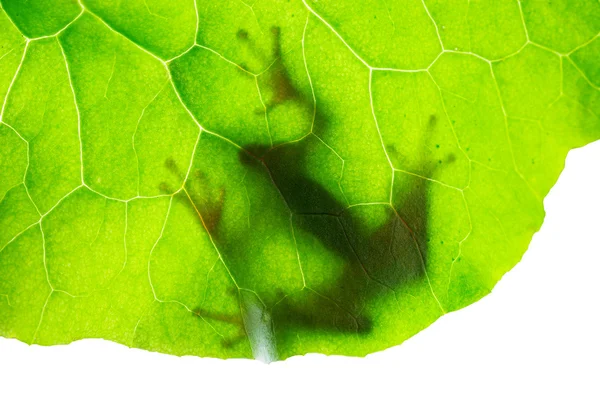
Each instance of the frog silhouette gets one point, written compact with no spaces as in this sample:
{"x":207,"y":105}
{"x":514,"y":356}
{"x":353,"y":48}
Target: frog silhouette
{"x":373,"y":258}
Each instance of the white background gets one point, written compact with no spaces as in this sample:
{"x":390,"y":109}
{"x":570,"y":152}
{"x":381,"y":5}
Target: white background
{"x":537,"y":336}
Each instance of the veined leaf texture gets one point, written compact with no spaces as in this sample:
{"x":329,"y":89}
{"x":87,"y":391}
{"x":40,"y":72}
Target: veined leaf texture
{"x":232,"y":179}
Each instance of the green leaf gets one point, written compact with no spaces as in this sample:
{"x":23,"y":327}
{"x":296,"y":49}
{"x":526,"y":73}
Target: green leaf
{"x":262,"y":180}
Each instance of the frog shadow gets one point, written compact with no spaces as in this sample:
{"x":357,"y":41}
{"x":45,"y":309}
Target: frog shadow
{"x":373,"y":259}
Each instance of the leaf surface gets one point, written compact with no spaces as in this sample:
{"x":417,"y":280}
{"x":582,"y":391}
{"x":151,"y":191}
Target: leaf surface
{"x":263,"y":180}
